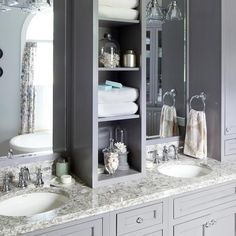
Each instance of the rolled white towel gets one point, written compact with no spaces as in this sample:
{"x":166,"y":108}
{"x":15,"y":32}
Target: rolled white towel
{"x":130,"y":4}
{"x":118,"y":13}
{"x":117,"y":109}
{"x":124,"y":94}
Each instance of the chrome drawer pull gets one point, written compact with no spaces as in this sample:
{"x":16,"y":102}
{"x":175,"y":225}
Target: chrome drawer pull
{"x":139,"y":220}
{"x":213,"y":222}
{"x":207,"y":225}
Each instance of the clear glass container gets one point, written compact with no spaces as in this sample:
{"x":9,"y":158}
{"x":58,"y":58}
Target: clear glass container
{"x":109,"y":52}
{"x":111,"y":158}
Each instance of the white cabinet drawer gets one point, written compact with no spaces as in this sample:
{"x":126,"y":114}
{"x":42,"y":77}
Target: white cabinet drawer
{"x":138,"y":219}
{"x":230,"y":147}
{"x":203,"y":200}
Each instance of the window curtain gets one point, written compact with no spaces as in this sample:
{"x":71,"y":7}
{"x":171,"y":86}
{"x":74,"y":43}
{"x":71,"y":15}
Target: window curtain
{"x":28,"y":89}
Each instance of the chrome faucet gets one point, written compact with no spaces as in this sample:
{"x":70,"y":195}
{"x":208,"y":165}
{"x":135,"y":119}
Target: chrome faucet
{"x":6,"y":183}
{"x":22,"y":178}
{"x":165,"y":154}
{"x":39,"y":178}
{"x":26,"y":173}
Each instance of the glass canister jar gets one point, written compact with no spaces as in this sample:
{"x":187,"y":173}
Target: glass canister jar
{"x":109,"y":52}
{"x":111,"y":158}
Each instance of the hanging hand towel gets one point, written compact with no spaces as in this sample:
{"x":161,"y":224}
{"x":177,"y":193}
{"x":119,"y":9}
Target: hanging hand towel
{"x":124,"y":94}
{"x":120,"y":3}
{"x":168,"y":122}
{"x":117,"y":109}
{"x":196,"y":135}
{"x":118,"y":13}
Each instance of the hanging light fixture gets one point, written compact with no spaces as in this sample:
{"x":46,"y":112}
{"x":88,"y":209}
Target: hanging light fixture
{"x":154,"y":11}
{"x":25,"y":5}
{"x":157,"y":13}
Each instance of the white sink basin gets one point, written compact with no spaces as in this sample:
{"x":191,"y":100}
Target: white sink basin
{"x":184,"y":171}
{"x":32,"y":204}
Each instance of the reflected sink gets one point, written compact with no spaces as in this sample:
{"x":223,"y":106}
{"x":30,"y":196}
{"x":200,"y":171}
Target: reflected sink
{"x":32,"y":204}
{"x":184,"y":171}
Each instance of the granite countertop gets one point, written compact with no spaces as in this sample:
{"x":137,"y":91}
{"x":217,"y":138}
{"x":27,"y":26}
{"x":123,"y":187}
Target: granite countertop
{"x":85,"y":202}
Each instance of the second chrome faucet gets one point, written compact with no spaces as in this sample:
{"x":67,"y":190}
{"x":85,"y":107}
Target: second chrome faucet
{"x":171,"y":152}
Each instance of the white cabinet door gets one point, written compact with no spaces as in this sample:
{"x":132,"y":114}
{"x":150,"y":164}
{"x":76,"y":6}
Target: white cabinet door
{"x":222,"y":224}
{"x":194,"y":227}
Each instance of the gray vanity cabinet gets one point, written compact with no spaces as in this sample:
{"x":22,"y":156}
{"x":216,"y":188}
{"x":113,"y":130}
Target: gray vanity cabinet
{"x":206,"y":212}
{"x":194,"y":227}
{"x":218,"y":224}
{"x":212,"y":57}
{"x":93,"y":226}
{"x":209,"y":212}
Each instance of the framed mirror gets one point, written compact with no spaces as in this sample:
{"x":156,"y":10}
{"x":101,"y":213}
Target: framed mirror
{"x":166,"y":49}
{"x":26,"y":87}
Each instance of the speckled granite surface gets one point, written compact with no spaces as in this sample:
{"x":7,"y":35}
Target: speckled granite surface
{"x":85,"y":202}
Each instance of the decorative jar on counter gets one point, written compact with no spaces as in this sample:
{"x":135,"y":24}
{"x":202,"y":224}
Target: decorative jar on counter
{"x":109,"y":52}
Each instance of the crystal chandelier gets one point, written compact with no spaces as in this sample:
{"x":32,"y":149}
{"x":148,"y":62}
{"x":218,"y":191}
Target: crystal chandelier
{"x":26,"y":5}
{"x":156,"y":13}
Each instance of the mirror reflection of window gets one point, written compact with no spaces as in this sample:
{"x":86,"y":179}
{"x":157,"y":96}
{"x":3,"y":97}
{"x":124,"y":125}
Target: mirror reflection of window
{"x":43,"y":68}
{"x":36,"y":85}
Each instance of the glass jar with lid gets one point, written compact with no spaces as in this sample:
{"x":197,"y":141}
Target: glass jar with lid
{"x":109,"y":52}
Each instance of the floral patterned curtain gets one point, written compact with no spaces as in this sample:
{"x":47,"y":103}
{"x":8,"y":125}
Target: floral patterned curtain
{"x":28,"y":89}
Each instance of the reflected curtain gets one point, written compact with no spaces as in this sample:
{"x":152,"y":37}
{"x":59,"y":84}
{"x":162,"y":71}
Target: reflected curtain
{"x":28,"y":89}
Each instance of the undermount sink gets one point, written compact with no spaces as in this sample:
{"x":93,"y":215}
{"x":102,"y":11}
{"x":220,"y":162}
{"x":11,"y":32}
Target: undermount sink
{"x":32,"y":204}
{"x":184,"y":171}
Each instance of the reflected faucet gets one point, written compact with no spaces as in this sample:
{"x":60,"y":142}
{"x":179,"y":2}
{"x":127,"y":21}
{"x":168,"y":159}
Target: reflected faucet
{"x":10,"y":154}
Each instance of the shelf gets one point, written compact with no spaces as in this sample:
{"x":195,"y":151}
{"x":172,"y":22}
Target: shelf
{"x":111,"y":22}
{"x":118,"y":174}
{"x":115,"y":118}
{"x":118,"y":69}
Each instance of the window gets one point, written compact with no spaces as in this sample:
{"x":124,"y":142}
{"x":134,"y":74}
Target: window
{"x":40,"y":30}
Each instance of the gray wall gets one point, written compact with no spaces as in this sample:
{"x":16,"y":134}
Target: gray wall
{"x":11,"y":24}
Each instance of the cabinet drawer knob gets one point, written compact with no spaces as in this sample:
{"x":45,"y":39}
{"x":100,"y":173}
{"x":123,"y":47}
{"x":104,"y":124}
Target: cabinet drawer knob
{"x":207,"y":225}
{"x":213,"y":222}
{"x":139,"y":220}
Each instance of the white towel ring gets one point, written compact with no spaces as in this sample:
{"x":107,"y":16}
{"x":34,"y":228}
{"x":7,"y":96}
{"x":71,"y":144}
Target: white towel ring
{"x":202,"y":96}
{"x":171,"y":93}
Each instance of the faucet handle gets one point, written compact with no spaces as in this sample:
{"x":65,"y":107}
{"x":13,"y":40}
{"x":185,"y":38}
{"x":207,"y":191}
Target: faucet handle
{"x":165,"y":149}
{"x":6,"y":183}
{"x":22,"y":182}
{"x":39,"y":178}
{"x":26,"y":173}
{"x":178,"y":149}
{"x":155,"y":156}
{"x":165,"y":152}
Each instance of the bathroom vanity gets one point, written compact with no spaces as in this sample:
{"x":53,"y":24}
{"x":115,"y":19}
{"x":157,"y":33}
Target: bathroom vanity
{"x":157,"y":205}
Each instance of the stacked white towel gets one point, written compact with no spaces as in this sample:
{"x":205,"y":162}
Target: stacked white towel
{"x":118,"y":9}
{"x":117,"y":102}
